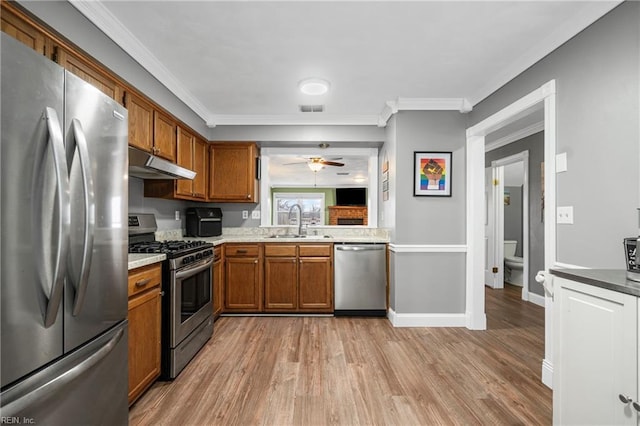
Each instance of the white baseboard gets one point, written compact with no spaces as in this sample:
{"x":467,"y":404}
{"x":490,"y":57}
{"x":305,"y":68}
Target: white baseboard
{"x":426,"y":320}
{"x":536,"y":299}
{"x":547,"y":373}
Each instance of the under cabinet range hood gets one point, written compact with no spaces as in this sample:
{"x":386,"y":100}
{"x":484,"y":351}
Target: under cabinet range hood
{"x":146,"y":166}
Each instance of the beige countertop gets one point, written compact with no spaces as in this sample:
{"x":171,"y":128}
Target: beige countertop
{"x":137,"y":260}
{"x":253,"y":235}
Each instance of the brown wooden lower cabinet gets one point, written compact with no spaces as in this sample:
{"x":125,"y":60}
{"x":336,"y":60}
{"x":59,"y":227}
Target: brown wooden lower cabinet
{"x":144,"y":328}
{"x":298,"y":278}
{"x":243,"y":274}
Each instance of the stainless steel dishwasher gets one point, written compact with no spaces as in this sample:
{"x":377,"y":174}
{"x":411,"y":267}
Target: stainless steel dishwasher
{"x":360,"y":279}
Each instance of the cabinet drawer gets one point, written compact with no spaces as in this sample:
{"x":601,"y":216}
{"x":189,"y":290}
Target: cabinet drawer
{"x":323,"y":250}
{"x":280,"y":250}
{"x":242,"y":250}
{"x":141,"y":279}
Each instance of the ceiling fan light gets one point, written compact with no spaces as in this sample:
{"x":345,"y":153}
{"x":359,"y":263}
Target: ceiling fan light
{"x":314,"y":86}
{"x":315,"y":166}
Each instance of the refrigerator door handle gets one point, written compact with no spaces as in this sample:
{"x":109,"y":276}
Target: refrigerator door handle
{"x":89,"y":215}
{"x":30,"y":397}
{"x":54,"y":285}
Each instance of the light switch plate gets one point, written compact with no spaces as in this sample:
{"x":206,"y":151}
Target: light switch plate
{"x":245,"y":214}
{"x":565,"y":215}
{"x":561,"y":162}
{"x":255,"y":214}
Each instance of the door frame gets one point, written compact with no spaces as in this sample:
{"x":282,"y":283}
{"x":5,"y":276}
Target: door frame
{"x":498,"y":165}
{"x":544,"y":96}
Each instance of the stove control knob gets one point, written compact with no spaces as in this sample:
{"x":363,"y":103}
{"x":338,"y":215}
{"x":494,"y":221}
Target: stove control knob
{"x":198,"y":256}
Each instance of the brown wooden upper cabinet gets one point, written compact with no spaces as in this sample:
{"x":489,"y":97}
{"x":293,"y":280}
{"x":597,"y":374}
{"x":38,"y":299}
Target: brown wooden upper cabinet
{"x":200,"y":166}
{"x":164,"y":136}
{"x":233,"y":174}
{"x":19,"y":28}
{"x":184,"y":151}
{"x":87,"y":71}
{"x":140,"y":121}
{"x":192,"y":154}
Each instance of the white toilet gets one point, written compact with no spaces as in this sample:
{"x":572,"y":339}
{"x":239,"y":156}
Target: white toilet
{"x":513,"y":265}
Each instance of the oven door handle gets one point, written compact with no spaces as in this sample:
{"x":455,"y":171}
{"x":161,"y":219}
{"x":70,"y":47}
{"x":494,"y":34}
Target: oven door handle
{"x":192,"y":270}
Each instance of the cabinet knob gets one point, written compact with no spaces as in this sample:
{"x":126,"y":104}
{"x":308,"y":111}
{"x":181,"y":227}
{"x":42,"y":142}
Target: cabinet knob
{"x":248,"y":196}
{"x":255,"y":261}
{"x":625,"y":399}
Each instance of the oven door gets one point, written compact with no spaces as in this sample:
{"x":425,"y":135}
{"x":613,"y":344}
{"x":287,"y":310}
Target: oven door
{"x":191,"y":299}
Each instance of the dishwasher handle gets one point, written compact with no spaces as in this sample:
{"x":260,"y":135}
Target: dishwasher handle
{"x":366,"y":247}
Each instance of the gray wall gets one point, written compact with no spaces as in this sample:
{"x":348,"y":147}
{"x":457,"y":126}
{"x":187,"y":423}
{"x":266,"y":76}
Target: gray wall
{"x":513,"y":217}
{"x":430,"y":220}
{"x":425,"y":282}
{"x":66,"y":20}
{"x":164,"y":210}
{"x":535,"y":145}
{"x":598,"y":126}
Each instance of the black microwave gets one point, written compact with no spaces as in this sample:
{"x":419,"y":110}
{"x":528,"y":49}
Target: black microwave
{"x":204,"y":221}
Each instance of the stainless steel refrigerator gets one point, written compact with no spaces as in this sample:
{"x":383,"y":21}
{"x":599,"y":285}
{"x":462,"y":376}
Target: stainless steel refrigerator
{"x":63,"y":238}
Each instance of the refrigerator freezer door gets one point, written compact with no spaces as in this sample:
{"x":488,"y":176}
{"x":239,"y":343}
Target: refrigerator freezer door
{"x":87,"y":387}
{"x":96,"y":144}
{"x":32,"y":220}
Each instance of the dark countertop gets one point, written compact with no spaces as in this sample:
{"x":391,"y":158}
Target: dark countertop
{"x":611,"y":279}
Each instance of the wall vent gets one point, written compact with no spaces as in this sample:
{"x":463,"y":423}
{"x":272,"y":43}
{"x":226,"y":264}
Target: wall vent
{"x":311,"y":108}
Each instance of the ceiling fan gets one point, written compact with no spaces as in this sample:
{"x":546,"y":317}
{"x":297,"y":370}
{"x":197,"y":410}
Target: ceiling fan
{"x":317,"y":163}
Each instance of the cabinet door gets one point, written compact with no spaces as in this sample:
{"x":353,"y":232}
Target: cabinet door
{"x":243,"y":292}
{"x":596,"y":357}
{"x":184,"y":151}
{"x":144,"y":341}
{"x":218,"y":283}
{"x":200,"y":154}
{"x":140,"y":121}
{"x":280,"y":283}
{"x":22,"y":31}
{"x":87,"y":71}
{"x":164,"y":136}
{"x":233,"y":172}
{"x":315,"y":289}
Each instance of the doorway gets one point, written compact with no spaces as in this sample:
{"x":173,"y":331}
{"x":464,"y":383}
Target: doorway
{"x":544,"y":97}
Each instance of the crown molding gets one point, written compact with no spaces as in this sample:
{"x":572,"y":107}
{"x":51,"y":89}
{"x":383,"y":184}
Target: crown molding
{"x":302,"y":119}
{"x":422,"y":104}
{"x":102,"y":18}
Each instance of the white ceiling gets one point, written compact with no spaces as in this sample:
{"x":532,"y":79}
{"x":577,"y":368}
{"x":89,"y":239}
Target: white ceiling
{"x":239,"y":62}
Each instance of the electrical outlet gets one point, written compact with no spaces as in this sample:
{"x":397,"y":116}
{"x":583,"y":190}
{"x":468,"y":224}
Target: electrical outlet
{"x":177,"y":214}
{"x":565,"y":215}
{"x":245,"y":214}
{"x":255,"y":214}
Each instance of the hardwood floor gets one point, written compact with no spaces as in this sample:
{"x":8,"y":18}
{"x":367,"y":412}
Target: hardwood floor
{"x":361,"y":371}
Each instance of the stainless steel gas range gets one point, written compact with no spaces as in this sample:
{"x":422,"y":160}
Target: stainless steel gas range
{"x":187,"y":306}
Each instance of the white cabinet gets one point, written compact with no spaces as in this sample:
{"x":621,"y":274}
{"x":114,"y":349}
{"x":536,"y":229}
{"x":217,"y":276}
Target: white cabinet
{"x":596,"y":355}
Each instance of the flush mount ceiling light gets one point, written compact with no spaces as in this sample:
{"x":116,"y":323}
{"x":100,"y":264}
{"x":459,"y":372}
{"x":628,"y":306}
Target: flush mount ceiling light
{"x":314,"y":86}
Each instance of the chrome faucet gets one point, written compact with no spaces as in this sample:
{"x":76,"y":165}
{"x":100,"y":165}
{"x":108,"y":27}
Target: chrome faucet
{"x":299,"y":217}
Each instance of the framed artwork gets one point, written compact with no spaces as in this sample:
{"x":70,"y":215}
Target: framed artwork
{"x":431,"y":174}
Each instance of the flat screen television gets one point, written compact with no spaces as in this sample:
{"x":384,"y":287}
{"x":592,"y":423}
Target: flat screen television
{"x":351,"y":196}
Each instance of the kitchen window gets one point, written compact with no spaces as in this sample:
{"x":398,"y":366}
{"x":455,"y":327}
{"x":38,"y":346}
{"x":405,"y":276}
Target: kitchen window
{"x":312,"y":204}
